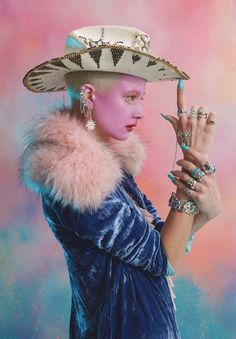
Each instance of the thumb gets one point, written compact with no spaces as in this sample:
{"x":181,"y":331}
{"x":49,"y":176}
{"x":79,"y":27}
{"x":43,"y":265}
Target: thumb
{"x":173,"y":120}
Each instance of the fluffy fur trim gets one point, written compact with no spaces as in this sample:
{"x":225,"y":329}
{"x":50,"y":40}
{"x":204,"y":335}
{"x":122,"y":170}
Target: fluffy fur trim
{"x":63,"y":159}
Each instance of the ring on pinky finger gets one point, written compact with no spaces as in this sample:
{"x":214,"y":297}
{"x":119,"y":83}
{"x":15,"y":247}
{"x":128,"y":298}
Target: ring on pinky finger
{"x":189,"y":192}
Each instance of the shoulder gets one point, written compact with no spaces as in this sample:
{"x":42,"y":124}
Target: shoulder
{"x":69,"y":164}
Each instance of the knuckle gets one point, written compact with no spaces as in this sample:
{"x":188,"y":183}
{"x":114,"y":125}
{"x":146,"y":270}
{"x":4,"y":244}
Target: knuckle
{"x":209,"y":180}
{"x":202,"y":108}
{"x":202,"y":189}
{"x":203,"y":158}
{"x":199,"y":196}
{"x":185,"y":177}
{"x":194,"y":107}
{"x":212,"y":115}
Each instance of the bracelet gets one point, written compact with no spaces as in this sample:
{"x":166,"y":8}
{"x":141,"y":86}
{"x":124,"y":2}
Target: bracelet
{"x":185,"y":206}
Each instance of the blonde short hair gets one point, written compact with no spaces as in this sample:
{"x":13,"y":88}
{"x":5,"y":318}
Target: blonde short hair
{"x":102,"y":81}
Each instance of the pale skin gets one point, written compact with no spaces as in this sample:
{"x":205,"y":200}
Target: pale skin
{"x":178,"y":225}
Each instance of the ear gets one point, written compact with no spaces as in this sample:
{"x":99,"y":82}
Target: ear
{"x":89,"y":93}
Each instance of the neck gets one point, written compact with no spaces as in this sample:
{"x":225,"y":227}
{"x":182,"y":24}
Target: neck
{"x":99,"y":135}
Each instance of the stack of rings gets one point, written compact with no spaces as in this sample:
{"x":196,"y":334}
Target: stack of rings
{"x":193,"y":113}
{"x":182,"y":112}
{"x":185,"y":137}
{"x":208,"y":169}
{"x":199,"y":175}
{"x":191,"y":183}
{"x":202,"y":113}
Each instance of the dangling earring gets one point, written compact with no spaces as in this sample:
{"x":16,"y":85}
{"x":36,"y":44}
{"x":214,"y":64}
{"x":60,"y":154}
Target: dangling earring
{"x":84,"y":109}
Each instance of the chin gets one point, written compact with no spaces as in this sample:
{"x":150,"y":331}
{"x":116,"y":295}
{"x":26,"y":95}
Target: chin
{"x":121,"y":137}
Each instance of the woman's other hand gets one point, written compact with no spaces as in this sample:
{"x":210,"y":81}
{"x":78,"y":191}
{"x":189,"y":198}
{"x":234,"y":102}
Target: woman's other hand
{"x":205,"y":194}
{"x":198,"y":123}
{"x":196,"y":145}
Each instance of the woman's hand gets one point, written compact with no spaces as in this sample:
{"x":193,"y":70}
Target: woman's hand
{"x":206,"y":194}
{"x":200,"y":127}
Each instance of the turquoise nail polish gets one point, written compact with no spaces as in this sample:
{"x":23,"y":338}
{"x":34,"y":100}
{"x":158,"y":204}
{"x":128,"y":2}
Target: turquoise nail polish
{"x":185,"y":147}
{"x":172,"y":178}
{"x":165,"y":117}
{"x":180,"y":84}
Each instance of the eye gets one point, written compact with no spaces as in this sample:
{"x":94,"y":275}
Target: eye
{"x":130,"y":99}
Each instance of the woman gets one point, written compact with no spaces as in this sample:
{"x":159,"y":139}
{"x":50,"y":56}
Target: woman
{"x":82,"y":161}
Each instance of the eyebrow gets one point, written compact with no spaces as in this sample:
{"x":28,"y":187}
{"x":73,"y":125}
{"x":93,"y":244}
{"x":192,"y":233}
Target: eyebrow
{"x":135,"y":91}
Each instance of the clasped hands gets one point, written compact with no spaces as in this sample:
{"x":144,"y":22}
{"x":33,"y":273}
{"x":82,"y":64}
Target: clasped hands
{"x":195,"y":131}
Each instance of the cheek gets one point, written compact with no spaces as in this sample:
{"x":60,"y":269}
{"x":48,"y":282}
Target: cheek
{"x":111,"y":113}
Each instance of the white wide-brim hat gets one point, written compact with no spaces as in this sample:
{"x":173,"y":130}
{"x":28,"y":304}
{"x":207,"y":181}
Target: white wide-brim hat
{"x":106,"y":48}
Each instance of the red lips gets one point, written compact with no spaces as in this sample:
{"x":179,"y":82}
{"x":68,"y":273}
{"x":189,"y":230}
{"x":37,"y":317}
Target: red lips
{"x":132,"y":125}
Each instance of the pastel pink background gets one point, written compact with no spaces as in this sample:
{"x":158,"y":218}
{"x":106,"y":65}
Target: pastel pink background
{"x":199,"y":37}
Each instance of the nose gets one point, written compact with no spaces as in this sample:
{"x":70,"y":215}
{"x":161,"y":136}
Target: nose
{"x":138,"y":113}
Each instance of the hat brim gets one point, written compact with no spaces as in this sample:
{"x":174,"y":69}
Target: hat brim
{"x":49,"y":76}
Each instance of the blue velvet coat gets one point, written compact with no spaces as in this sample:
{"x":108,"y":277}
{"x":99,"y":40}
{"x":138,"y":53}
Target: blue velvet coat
{"x":117,"y":266}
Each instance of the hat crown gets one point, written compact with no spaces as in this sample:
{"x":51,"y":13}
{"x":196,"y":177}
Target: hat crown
{"x":95,"y":36}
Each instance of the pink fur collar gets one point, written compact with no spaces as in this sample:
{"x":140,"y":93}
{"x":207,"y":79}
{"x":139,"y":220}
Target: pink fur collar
{"x":62,"y":158}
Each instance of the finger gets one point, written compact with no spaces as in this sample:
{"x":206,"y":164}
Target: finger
{"x":181,"y":104}
{"x":183,"y":188}
{"x":210,"y":123}
{"x":176,"y":123}
{"x":201,"y":120}
{"x":180,"y":95}
{"x":187,"y":165}
{"x":193,"y":112}
{"x":173,"y":120}
{"x":192,"y":123}
{"x":194,"y":156}
{"x":185,"y":177}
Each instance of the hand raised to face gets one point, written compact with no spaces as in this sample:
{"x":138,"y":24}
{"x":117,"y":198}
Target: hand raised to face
{"x":195,"y":130}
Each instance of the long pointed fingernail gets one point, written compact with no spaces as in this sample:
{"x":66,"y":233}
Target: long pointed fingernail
{"x":165,"y":117}
{"x":180,"y":84}
{"x":185,"y":147}
{"x":171,"y":177}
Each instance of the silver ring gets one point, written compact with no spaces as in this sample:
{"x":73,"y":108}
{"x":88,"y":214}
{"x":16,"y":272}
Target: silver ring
{"x":198,"y":174}
{"x":208,"y":169}
{"x":182,"y":112}
{"x":185,"y":137}
{"x":191,"y":183}
{"x":193,"y":112}
{"x":202,"y":112}
{"x":189,"y":192}
{"x":202,"y":115}
{"x":210,"y":122}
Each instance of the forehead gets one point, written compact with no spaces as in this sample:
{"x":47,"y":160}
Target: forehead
{"x":130,"y":83}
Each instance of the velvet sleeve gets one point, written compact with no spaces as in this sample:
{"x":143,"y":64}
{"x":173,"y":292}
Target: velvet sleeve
{"x":118,"y":229}
{"x":156,"y":217}
{"x":159,"y":223}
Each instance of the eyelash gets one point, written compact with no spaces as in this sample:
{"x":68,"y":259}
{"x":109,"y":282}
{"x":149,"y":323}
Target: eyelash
{"x":132,"y":97}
